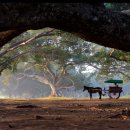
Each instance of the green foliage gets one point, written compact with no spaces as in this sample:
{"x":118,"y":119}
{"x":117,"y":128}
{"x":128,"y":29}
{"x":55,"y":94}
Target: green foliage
{"x":6,"y":76}
{"x":66,"y":50}
{"x":117,"y":6}
{"x":108,"y":5}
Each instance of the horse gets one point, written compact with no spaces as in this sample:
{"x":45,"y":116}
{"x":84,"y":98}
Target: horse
{"x":93,"y":90}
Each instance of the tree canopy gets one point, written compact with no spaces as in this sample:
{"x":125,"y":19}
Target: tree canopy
{"x":56,"y":56}
{"x":93,"y":22}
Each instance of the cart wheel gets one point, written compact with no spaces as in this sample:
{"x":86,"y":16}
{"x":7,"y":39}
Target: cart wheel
{"x":114,"y":95}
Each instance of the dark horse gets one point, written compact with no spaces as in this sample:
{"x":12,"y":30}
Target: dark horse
{"x":93,"y":90}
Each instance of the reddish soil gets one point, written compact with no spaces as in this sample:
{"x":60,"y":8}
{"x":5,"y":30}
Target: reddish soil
{"x":65,"y":114}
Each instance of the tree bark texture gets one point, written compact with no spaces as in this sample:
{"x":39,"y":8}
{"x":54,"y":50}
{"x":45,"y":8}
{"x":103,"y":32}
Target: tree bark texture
{"x":91,"y":22}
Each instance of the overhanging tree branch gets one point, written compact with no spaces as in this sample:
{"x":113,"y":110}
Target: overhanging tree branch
{"x":94,"y":23}
{"x":26,"y":41}
{"x":6,"y":36}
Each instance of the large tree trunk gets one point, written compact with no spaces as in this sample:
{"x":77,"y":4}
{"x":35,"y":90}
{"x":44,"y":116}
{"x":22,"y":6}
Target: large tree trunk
{"x":53,"y":91}
{"x":91,"y":22}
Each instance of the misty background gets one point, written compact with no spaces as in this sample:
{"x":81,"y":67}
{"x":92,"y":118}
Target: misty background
{"x":29,"y":88}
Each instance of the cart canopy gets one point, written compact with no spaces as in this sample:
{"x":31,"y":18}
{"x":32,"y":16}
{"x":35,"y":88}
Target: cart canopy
{"x":114,"y":81}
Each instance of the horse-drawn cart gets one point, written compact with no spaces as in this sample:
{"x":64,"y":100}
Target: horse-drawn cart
{"x":114,"y":91}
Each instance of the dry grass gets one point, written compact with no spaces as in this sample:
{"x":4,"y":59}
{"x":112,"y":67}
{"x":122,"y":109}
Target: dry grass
{"x":65,"y":98}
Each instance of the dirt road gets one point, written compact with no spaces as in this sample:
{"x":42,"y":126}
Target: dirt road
{"x":40,"y":114}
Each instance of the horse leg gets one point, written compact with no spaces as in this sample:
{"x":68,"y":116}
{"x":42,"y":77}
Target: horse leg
{"x":90,"y":95}
{"x":100,"y":95}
